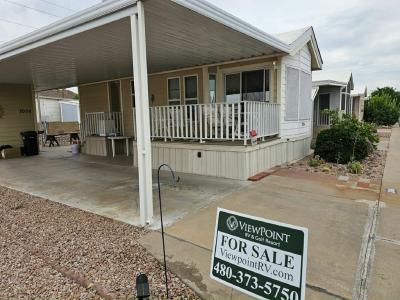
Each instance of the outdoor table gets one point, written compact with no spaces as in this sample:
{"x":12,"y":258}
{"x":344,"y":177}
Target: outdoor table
{"x":113,"y":138}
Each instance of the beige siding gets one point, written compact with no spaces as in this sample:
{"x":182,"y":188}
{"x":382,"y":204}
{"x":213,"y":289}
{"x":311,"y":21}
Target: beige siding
{"x":235,"y":162}
{"x":158,"y":86}
{"x":93,"y":98}
{"x":17,"y":104}
{"x":127,"y":112}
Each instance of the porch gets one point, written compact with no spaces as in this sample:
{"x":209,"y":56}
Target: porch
{"x":224,"y":122}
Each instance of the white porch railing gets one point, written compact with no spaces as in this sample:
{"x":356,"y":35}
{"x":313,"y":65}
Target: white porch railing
{"x":102,"y":124}
{"x":220,"y":121}
{"x":321,"y":119}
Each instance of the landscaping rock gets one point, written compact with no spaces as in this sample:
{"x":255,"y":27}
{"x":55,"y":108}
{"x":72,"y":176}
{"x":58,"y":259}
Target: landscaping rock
{"x":49,"y":250}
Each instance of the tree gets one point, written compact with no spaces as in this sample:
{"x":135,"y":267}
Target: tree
{"x":389,"y":91}
{"x":382,"y":109}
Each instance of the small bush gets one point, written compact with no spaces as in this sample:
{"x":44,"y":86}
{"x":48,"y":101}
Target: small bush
{"x":381,"y":109}
{"x":355,"y":167}
{"x":315,"y":161}
{"x":348,"y":139}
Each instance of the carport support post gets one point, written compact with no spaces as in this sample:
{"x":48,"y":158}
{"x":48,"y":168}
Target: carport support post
{"x":138,"y":34}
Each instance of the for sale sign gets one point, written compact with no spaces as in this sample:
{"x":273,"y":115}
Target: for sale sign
{"x":262,"y":258}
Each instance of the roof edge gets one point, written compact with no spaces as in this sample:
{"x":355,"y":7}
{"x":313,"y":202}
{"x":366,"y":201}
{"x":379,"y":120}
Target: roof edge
{"x":308,"y":37}
{"x":87,"y":15}
{"x":215,"y":13}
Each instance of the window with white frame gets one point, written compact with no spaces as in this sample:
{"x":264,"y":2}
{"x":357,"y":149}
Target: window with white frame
{"x":212,"y":87}
{"x":174,"y":91}
{"x":251,"y":85}
{"x":191,"y":90}
{"x":298,"y":95}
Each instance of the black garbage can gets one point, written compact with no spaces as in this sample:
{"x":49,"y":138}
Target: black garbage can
{"x":30,"y":141}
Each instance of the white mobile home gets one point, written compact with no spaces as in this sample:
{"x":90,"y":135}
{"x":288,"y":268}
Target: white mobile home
{"x":183,"y":81}
{"x":57,"y":106}
{"x":333,"y":92}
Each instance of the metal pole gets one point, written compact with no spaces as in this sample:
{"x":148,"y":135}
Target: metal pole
{"x":175,"y":180}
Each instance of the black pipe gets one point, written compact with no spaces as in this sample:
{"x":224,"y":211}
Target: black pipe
{"x":175,"y":180}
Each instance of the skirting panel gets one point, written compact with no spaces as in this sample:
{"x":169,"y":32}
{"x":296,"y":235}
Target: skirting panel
{"x":235,"y":162}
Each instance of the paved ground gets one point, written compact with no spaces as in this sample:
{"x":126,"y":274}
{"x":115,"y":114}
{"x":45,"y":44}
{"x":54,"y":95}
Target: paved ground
{"x":350,"y":257}
{"x":385,"y":262}
{"x":336,"y":219}
{"x":106,"y":186}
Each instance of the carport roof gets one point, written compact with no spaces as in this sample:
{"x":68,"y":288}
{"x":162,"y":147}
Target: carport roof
{"x":95,"y":44}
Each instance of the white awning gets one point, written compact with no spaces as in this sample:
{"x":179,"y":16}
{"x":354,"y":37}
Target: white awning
{"x":95,"y":45}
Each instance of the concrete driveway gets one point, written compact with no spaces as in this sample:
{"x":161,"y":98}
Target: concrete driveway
{"x":106,"y":186}
{"x":337,"y":218}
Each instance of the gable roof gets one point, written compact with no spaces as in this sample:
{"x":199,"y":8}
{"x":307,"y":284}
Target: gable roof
{"x":296,"y":39}
{"x":360,"y":91}
{"x":340,"y":78}
{"x":289,"y":37}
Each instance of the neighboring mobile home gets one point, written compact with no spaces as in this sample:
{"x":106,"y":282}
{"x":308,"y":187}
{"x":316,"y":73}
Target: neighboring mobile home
{"x":359,"y":97}
{"x":57,"y":106}
{"x":194,"y":86}
{"x":333,"y":92}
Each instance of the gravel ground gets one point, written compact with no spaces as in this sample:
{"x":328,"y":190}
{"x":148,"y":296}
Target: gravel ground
{"x":373,"y":167}
{"x":48,"y":250}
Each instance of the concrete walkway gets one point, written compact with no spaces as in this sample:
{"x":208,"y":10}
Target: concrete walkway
{"x":338,"y":220}
{"x":385,"y":263}
{"x":108,"y":187}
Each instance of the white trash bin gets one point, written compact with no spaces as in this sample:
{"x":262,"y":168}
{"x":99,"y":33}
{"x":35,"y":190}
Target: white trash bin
{"x":75,"y":149}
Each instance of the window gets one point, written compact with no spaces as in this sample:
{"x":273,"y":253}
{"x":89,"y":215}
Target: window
{"x":212,"y":87}
{"x":232,"y":88}
{"x":174,"y":91}
{"x":292,"y":94}
{"x":305,"y":105}
{"x":248,"y":86}
{"x":253,"y":85}
{"x":343,"y":102}
{"x":114,"y":96}
{"x":324,"y":102}
{"x":133,"y":93}
{"x":191,"y":93}
{"x":298,"y":95}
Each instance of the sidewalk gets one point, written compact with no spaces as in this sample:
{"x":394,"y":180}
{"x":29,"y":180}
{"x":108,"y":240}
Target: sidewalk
{"x":336,"y":219}
{"x":386,"y":265}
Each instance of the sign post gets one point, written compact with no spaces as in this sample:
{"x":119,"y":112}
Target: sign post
{"x":262,"y":258}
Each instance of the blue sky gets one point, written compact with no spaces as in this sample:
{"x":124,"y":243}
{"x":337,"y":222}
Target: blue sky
{"x":361,"y":36}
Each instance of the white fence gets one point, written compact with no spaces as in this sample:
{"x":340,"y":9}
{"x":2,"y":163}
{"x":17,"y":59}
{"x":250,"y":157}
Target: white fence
{"x":219,"y":121}
{"x":321,"y":118}
{"x":102,"y":124}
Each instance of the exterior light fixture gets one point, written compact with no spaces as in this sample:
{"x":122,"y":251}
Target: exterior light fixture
{"x":142,"y":287}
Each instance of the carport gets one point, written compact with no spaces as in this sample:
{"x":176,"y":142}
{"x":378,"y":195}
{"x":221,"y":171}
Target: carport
{"x":118,"y":38}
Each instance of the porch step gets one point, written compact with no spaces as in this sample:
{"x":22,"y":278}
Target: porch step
{"x":263,"y":174}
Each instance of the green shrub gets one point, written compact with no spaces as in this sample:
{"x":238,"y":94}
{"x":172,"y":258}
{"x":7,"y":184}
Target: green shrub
{"x":348,"y":139}
{"x":355,"y":167}
{"x":390,"y":91}
{"x":381,"y":109}
{"x":315,"y":161}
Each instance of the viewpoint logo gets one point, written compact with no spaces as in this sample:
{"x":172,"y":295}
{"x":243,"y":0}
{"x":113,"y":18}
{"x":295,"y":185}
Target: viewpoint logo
{"x":232,"y":223}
